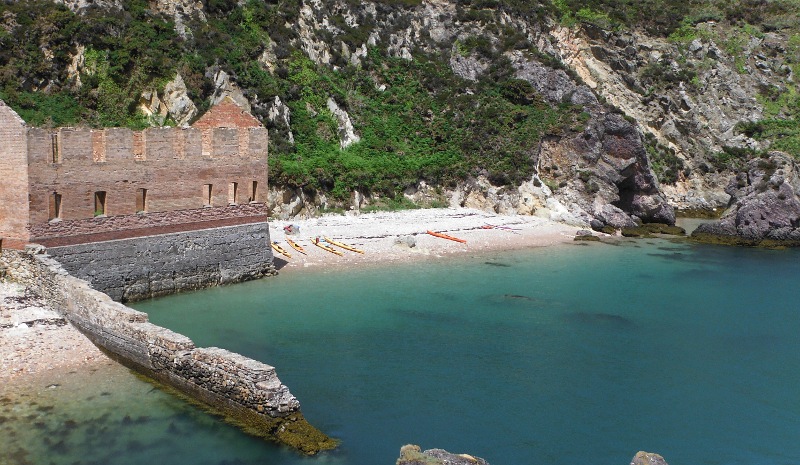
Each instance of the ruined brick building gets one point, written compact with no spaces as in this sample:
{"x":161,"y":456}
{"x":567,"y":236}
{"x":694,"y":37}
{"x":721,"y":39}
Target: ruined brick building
{"x":140,"y":213}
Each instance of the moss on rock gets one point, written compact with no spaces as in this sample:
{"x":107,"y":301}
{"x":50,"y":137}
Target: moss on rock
{"x":636,"y":231}
{"x":292,"y":430}
{"x":648,"y":230}
{"x":722,"y":239}
{"x":702,"y":213}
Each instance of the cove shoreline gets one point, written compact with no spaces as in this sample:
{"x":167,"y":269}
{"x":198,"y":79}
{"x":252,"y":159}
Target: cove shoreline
{"x":391,"y":237}
{"x":37,"y":344}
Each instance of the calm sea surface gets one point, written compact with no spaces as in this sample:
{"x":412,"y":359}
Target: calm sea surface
{"x":562,"y":355}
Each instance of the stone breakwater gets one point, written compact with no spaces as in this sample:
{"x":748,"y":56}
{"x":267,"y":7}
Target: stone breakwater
{"x":247,"y":392}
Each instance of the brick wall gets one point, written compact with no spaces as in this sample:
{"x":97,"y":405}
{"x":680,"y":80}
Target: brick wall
{"x":160,"y":169}
{"x":227,"y":114}
{"x":14,"y":210}
{"x":69,"y":232}
{"x":51,"y":178}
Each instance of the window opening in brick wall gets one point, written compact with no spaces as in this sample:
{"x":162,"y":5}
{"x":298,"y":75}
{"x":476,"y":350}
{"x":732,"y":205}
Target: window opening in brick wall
{"x":56,"y":155}
{"x":55,"y":206}
{"x":207,"y":195}
{"x":233,"y":196}
{"x":100,"y":203}
{"x":141,"y":200}
{"x":254,"y":191}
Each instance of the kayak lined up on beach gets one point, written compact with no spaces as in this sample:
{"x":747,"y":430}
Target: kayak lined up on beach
{"x":445,"y":236}
{"x":280,"y":250}
{"x":327,"y":248}
{"x":296,"y":246}
{"x":342,"y":245}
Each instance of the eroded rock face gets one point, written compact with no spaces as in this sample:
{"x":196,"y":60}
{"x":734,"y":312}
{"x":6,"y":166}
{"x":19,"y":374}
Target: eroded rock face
{"x":765,"y":208}
{"x":603,"y":173}
{"x":278,"y":113}
{"x":180,"y":11}
{"x":77,"y":6}
{"x":693,"y":114}
{"x":347,"y":134}
{"x":174,"y":103}
{"x":180,"y":106}
{"x":225,"y":87}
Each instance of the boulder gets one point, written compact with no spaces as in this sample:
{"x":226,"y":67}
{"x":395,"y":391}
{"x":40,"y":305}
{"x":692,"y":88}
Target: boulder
{"x":412,"y":455}
{"x":648,"y":458}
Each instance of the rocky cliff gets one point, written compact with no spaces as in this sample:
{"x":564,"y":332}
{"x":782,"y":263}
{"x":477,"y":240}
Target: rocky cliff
{"x":765,"y":207}
{"x":586,"y":113}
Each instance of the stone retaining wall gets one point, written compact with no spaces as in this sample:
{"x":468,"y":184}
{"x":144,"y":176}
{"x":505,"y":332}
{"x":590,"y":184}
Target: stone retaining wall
{"x":245,"y":390}
{"x":144,"y":267}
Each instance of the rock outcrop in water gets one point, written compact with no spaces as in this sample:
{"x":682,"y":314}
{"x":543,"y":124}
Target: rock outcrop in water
{"x":765,"y":208}
{"x":648,"y":458}
{"x":413,"y":455}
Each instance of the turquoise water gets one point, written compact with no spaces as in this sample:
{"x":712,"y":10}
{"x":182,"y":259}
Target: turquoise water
{"x":573,"y":354}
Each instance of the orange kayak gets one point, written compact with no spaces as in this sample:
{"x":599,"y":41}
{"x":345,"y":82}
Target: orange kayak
{"x":280,"y":250}
{"x":445,"y":236}
{"x":296,"y":246}
{"x":322,"y":246}
{"x":344,"y":246}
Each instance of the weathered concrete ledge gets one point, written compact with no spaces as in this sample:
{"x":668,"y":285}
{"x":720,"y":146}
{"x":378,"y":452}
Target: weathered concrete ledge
{"x":245,"y":391}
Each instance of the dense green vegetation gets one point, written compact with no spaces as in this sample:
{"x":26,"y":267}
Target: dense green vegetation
{"x":664,"y":17}
{"x":422,"y":126}
{"x":425,"y":124}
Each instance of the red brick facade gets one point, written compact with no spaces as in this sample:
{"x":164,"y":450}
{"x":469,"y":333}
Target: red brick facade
{"x":85,"y":184}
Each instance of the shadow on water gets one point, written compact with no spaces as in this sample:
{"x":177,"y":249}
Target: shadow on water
{"x":678,"y":256}
{"x":424,"y":315}
{"x":498,"y":264}
{"x":279,"y":263}
{"x":605,"y":319}
{"x":521,"y":300}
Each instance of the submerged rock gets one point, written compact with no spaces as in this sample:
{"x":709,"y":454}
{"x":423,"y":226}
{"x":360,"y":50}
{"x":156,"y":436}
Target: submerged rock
{"x":765,"y":208}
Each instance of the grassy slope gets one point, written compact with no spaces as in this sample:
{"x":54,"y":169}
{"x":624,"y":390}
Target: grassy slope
{"x":425,"y":125}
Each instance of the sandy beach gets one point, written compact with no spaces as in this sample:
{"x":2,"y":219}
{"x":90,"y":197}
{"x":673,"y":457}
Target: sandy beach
{"x":402,"y":236}
{"x":36,"y":340}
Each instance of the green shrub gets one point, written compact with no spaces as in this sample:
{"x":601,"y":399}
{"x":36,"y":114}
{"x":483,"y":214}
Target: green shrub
{"x":666,"y":165}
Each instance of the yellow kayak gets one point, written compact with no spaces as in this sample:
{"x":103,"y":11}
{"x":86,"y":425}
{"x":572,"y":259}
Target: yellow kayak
{"x":344,"y":246}
{"x":322,"y":246}
{"x":280,"y":250}
{"x":296,"y":246}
